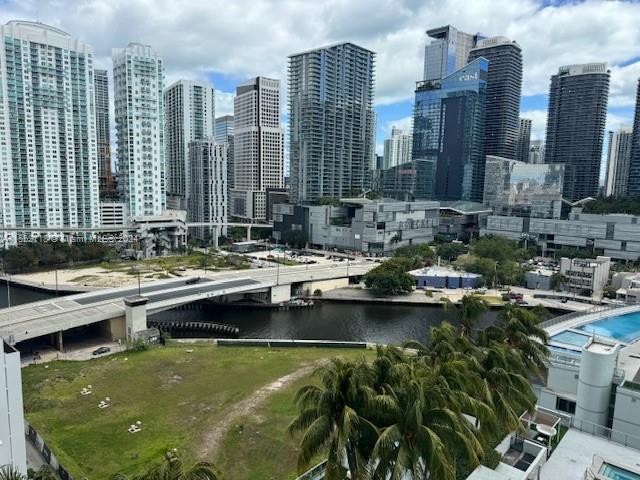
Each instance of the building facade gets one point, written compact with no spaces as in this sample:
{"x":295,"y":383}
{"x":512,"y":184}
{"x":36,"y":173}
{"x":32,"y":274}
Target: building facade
{"x":536,"y":152}
{"x":113,"y":213}
{"x":12,"y":431}
{"x":503,"y":92}
{"x":397,"y":148}
{"x":618,"y":159}
{"x":208,"y":199}
{"x":48,"y":150}
{"x":448,"y":129}
{"x":103,"y":133}
{"x":224,"y":135}
{"x":409,"y":181}
{"x":516,"y":188}
{"x":331,"y":121}
{"x":371,"y":227}
{"x":586,"y":276}
{"x":633,"y":183}
{"x":524,"y":140}
{"x":575,"y":126}
{"x":447,"y":51}
{"x":189,"y":115}
{"x":138,"y":84}
{"x":258,"y":147}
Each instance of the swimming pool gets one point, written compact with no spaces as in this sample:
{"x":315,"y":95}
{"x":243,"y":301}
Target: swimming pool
{"x":571,"y":338}
{"x":624,"y":328}
{"x":617,"y":473}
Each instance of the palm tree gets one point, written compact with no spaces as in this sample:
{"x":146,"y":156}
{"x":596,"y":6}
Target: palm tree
{"x":9,"y":472}
{"x":420,"y":432}
{"x":173,"y":469}
{"x":471,"y":307}
{"x":523,"y":334}
{"x":332,"y":415}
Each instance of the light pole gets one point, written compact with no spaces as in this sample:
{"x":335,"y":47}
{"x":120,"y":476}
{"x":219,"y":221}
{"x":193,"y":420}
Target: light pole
{"x":56,"y":281}
{"x":138,"y":272}
{"x":278,"y":269}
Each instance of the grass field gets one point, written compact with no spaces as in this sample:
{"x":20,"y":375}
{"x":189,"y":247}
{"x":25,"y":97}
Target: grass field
{"x":180,"y":397}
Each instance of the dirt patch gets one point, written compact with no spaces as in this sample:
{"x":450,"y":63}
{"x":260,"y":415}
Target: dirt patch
{"x":213,"y":438}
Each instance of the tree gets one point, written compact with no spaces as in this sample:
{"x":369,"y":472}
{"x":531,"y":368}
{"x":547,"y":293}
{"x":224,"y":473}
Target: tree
{"x":470,"y":309}
{"x":331,"y":415}
{"x":173,"y":469}
{"x":390,"y":277}
{"x":451,"y":251}
{"x":9,"y":472}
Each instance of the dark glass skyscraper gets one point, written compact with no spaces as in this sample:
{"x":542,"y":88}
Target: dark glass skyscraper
{"x":448,"y":128}
{"x":103,"y":136}
{"x":331,"y":121}
{"x":633,"y":184}
{"x":504,"y":88}
{"x":575,"y":126}
{"x":524,"y":140}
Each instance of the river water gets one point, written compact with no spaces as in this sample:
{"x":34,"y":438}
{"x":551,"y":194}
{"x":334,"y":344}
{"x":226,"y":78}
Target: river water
{"x":370,"y":322}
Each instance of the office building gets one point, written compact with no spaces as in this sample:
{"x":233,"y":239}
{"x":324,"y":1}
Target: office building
{"x":618,"y":159}
{"x":103,"y":133}
{"x":397,"y":149}
{"x":575,"y":126}
{"x":517,"y":188}
{"x":48,"y":151}
{"x":524,"y":141}
{"x":504,"y":88}
{"x":138,"y":84}
{"x":258,"y":147}
{"x":633,"y":184}
{"x":612,"y":235}
{"x":585,"y":276}
{"x":208,"y":198}
{"x":409,"y":181}
{"x":373,"y":227}
{"x":189,"y":115}
{"x":536,"y":152}
{"x":12,"y":439}
{"x":224,"y":135}
{"x":331,"y":121}
{"x":447,"y":51}
{"x":448,"y":129}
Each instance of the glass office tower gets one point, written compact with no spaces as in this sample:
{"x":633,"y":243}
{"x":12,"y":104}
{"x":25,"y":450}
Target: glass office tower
{"x":448,"y":128}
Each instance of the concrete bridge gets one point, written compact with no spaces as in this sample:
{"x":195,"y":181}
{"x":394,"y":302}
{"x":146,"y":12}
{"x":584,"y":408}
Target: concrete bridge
{"x":121,"y":313}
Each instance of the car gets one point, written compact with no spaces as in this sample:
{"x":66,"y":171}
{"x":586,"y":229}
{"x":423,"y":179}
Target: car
{"x":521,"y":302}
{"x":101,"y":351}
{"x":191,"y":281}
{"x":564,"y":300}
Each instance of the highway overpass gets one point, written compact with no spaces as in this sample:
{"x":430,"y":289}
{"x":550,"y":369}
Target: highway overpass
{"x":108,"y":307}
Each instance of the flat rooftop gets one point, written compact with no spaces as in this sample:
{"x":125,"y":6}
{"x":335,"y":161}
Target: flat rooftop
{"x":575,"y":453}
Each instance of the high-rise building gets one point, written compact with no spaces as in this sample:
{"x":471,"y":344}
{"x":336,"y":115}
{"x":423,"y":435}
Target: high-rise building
{"x":633,"y":184}
{"x":208,"y":198}
{"x":409,"y":181}
{"x":258,"y":147}
{"x":12,"y":433}
{"x":618,"y":158}
{"x":522,"y":189}
{"x":224,"y":135}
{"x":447,"y":52}
{"x":524,"y":140}
{"x":189,"y":115}
{"x":48,"y":151}
{"x":397,"y":149}
{"x":575,"y":126}
{"x":504,"y":88}
{"x":331,"y":121}
{"x":536,"y":151}
{"x":103,"y":133}
{"x":138,"y":84}
{"x":448,"y":128}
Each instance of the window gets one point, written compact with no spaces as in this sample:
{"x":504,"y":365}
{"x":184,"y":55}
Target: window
{"x":565,"y":405}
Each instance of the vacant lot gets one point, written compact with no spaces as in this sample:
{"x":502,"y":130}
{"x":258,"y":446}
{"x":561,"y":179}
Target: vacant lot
{"x":229,"y":405}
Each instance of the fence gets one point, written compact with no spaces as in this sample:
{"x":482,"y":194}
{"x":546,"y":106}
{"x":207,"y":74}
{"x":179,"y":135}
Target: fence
{"x":572,"y":315}
{"x":41,"y":446}
{"x":316,"y":473}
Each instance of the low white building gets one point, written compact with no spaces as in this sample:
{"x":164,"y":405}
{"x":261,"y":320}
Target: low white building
{"x":627,"y":286}
{"x":581,"y":274}
{"x":12,"y":438}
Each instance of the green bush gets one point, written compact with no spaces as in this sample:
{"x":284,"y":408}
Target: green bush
{"x":491,"y":459}
{"x":390,"y":277}
{"x":428,"y":293}
{"x":317,"y":292}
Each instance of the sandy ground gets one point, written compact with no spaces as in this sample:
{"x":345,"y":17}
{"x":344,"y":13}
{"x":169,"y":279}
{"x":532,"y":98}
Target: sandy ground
{"x":213,"y":439}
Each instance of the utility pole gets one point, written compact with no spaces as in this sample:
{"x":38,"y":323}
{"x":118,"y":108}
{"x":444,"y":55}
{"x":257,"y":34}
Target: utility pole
{"x":138,"y":272}
{"x":56,"y":281}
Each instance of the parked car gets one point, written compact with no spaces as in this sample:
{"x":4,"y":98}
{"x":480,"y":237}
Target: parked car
{"x":101,"y":350}
{"x":191,"y":281}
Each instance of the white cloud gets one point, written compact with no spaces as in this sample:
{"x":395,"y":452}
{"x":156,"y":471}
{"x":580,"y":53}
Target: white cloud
{"x":538,"y":123}
{"x":245,"y":39}
{"x":224,"y":103}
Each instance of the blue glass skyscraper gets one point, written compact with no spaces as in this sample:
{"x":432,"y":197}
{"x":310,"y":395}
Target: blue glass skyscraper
{"x":448,"y":128}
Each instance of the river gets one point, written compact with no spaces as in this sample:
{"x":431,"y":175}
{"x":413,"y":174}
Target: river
{"x":381,"y":323}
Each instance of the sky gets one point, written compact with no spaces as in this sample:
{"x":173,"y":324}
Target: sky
{"x":229,"y":41}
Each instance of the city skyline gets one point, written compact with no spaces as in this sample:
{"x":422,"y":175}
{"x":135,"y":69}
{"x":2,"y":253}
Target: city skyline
{"x":396,"y":32}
